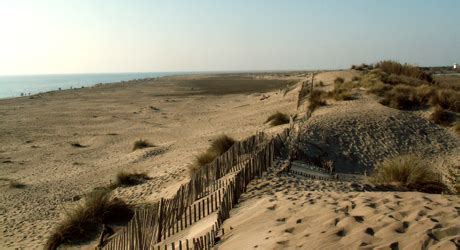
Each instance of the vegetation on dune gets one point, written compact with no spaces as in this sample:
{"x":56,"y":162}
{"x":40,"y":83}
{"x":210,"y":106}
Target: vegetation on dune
{"x":128,"y":179}
{"x":456,"y":128}
{"x":316,"y":100}
{"x":343,"y":91}
{"x":339,"y":80}
{"x":408,"y":171}
{"x":442,"y":117}
{"x":278,"y":118}
{"x":83,"y":221}
{"x":218,"y":146}
{"x":362,"y":67}
{"x":141,"y":143}
{"x":396,"y":68}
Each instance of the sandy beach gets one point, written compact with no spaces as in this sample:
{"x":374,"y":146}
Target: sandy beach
{"x":178,"y":115}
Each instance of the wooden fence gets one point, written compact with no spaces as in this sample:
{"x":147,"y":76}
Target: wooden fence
{"x":214,"y":187}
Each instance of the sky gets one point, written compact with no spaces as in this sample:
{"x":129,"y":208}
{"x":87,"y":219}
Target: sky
{"x":96,"y":36}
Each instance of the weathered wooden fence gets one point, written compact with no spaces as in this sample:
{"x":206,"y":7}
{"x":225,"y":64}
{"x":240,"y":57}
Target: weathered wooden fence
{"x":214,"y":187}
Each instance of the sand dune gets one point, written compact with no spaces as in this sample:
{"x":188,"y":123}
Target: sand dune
{"x":286,"y":212}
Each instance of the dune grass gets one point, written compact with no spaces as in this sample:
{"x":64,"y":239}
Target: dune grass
{"x":83,"y":222}
{"x":141,"y":143}
{"x":278,"y":118}
{"x":456,"y":128}
{"x":218,"y":146}
{"x":130,"y":178}
{"x":316,"y":100}
{"x":408,"y":171}
{"x":441,"y":117}
{"x":396,"y":68}
{"x":339,"y":80}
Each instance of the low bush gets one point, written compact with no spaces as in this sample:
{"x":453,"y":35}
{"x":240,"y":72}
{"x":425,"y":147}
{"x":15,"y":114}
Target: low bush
{"x":128,"y":179}
{"x":278,"y":118}
{"x":362,"y":67}
{"x":339,"y":80}
{"x":441,"y":117}
{"x":140,"y":144}
{"x":409,"y":171}
{"x":393,"y":67}
{"x":83,"y":222}
{"x":316,"y":100}
{"x":456,"y":128}
{"x":447,"y":99}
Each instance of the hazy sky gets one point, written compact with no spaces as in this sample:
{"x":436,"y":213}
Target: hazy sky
{"x":67,"y":36}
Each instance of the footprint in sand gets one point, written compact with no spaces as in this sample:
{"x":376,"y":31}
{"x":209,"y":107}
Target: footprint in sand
{"x":403,"y":227}
{"x":289,"y":230}
{"x":341,"y":233}
{"x":281,"y":219}
{"x":359,"y":219}
{"x":369,"y":231}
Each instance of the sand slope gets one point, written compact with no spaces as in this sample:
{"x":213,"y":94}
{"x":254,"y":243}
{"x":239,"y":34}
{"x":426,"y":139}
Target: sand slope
{"x":286,"y":212}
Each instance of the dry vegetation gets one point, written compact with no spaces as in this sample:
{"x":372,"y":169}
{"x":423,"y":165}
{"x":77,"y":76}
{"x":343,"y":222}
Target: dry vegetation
{"x":83,"y":221}
{"x":278,"y":118}
{"x":316,"y":100}
{"x":140,"y":144}
{"x":128,"y":179}
{"x":218,"y":146}
{"x":406,"y":87}
{"x":408,"y":171}
{"x":343,"y":91}
{"x":442,"y":117}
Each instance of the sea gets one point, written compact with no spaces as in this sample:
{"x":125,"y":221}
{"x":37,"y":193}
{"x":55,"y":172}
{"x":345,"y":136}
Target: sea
{"x":17,"y":85}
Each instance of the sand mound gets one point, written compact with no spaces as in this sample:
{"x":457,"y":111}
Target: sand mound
{"x":358,"y":134}
{"x":282,"y":212}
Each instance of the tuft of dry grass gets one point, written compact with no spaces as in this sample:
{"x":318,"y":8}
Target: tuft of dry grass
{"x":278,"y":118}
{"x":456,"y":128}
{"x":409,"y":171}
{"x":83,"y":221}
{"x":447,"y":98}
{"x":316,"y":100}
{"x":141,"y":143}
{"x":218,"y":146}
{"x":128,"y":179}
{"x":339,"y":80}
{"x":441,"y":117}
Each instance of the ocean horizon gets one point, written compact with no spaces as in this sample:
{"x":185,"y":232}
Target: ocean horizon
{"x":14,"y":85}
